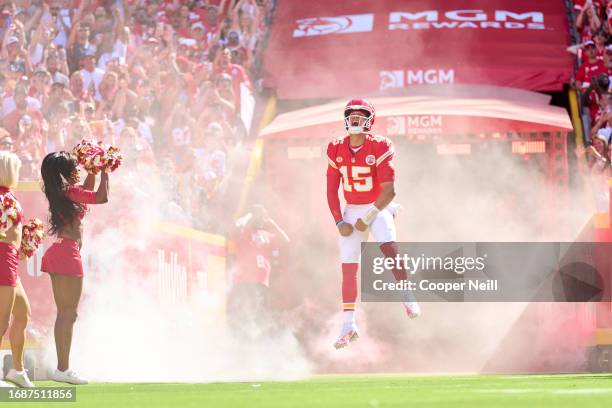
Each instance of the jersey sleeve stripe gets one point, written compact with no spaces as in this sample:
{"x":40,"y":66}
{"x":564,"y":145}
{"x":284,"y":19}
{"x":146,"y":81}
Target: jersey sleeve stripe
{"x":331,"y":163}
{"x":383,"y":157}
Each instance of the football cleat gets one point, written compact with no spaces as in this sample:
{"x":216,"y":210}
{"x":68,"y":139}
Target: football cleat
{"x":348,"y":335}
{"x":413,"y":310}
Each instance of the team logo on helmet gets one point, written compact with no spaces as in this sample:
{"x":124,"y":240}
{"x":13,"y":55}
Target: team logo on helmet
{"x":370,"y":159}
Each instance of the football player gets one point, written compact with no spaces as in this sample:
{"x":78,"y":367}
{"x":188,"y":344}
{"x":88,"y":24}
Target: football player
{"x":361,"y":162}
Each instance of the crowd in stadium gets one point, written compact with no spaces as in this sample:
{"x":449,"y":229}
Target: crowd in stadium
{"x":592,"y":79}
{"x":161,"y":79}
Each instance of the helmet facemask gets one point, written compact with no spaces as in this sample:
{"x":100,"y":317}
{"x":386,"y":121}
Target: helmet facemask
{"x":357,"y":123}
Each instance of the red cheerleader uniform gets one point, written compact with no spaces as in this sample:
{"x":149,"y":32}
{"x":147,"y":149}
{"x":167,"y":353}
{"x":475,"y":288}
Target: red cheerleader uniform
{"x":64,"y":256}
{"x":9,"y":257}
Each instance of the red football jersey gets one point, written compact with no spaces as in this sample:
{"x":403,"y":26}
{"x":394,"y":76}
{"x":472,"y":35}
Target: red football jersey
{"x":588,"y":71}
{"x":256,"y":250}
{"x":361,"y":172}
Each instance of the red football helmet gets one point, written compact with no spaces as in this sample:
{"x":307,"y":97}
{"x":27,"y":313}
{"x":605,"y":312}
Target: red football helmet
{"x":356,"y":124}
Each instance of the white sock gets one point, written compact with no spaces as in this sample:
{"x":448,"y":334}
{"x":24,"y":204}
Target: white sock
{"x":349,"y":317}
{"x":409,"y":297}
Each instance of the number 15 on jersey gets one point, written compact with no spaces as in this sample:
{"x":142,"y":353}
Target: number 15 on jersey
{"x":360,"y":178}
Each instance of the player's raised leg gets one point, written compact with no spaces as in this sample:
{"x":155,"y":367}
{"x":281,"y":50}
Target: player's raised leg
{"x":413,"y":310}
{"x":383,"y":229}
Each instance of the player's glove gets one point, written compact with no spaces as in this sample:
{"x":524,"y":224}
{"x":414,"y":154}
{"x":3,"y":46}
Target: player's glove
{"x":362,"y":224}
{"x":345,"y":228}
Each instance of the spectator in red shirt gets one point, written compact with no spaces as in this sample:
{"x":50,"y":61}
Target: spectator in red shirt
{"x":602,"y":121}
{"x":605,"y":106}
{"x":588,"y":21}
{"x":600,"y":38}
{"x":240,"y":54}
{"x":238,"y":74}
{"x":607,"y":60}
{"x":212,"y":20}
{"x":183,"y":22}
{"x":178,"y":128}
{"x":11,"y":120}
{"x":579,"y":4}
{"x":591,"y":100}
{"x":590,"y":68}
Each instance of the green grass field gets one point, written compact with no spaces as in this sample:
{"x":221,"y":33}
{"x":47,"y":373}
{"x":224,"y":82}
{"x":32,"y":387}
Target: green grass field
{"x":576,"y":391}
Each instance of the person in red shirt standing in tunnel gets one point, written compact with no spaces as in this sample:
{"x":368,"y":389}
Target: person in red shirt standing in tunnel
{"x":256,"y":247}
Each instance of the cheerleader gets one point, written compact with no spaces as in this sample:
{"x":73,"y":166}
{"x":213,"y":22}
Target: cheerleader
{"x":67,"y":206}
{"x":13,"y":299}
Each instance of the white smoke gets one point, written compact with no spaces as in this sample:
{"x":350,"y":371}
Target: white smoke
{"x":126,"y":332}
{"x":490,"y":196}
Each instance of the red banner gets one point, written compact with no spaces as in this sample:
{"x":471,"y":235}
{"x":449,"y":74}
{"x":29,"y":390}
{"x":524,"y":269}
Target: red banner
{"x":327,"y":49}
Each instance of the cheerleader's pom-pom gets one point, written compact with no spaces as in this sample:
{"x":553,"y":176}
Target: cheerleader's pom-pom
{"x":31,"y":238}
{"x":9,"y":213}
{"x":96,"y":156}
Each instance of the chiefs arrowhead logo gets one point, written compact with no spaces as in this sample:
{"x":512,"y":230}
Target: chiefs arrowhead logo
{"x":370,"y":159}
{"x":345,"y":24}
{"x":339,"y":159}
